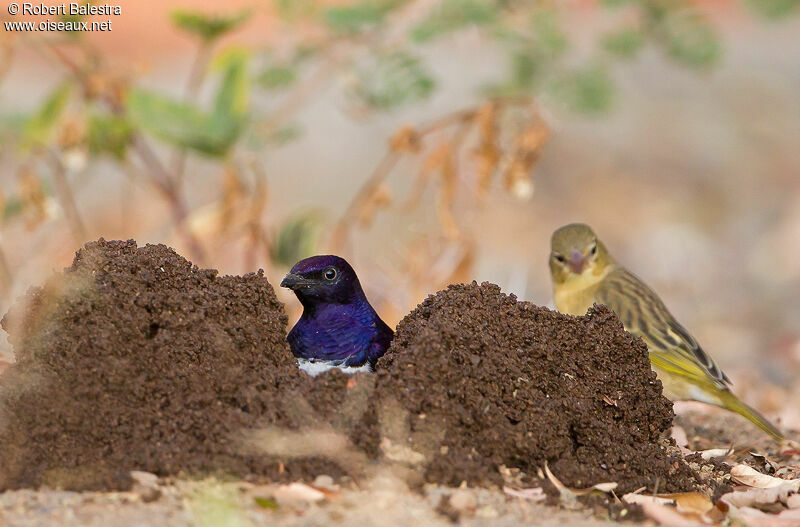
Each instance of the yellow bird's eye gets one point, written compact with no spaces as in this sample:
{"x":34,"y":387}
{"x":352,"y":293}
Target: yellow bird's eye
{"x":559,"y":258}
{"x":593,"y":250}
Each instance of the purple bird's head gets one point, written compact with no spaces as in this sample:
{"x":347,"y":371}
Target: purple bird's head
{"x":323,"y":279}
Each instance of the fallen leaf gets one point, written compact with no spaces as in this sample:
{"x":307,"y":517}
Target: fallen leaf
{"x":712,"y":453}
{"x":692,"y":502}
{"x":265,"y":503}
{"x":532,"y":494}
{"x":665,"y":515}
{"x":400,"y":453}
{"x":764,"y":496}
{"x":679,"y":435}
{"x":756,"y":518}
{"x":298,"y":492}
{"x":146,"y":479}
{"x":568,"y":495}
{"x":568,"y":498}
{"x":753,"y":478}
{"x":641,"y":499}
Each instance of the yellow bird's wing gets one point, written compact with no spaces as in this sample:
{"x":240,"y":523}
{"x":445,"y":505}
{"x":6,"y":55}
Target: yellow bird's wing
{"x":672,"y":348}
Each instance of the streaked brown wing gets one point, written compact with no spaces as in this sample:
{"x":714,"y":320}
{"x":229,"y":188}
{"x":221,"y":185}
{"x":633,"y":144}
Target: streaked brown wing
{"x":644,"y":314}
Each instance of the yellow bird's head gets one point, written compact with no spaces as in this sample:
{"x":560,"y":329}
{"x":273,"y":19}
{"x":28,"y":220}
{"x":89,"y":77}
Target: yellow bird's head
{"x":576,"y":253}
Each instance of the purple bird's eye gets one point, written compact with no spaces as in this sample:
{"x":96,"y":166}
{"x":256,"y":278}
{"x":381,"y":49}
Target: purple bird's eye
{"x":330,"y":273}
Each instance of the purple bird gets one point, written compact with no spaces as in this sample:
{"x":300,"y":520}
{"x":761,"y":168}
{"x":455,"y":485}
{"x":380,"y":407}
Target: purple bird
{"x":338,"y":328}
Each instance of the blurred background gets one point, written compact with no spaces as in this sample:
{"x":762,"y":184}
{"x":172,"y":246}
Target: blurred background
{"x":429,"y":142}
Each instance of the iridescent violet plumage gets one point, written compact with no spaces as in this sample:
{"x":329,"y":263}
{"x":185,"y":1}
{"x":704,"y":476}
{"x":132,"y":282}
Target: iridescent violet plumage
{"x":338,"y":327}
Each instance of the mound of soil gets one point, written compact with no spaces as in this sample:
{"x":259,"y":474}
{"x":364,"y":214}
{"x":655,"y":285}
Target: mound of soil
{"x":132,"y":358}
{"x":485,"y":381}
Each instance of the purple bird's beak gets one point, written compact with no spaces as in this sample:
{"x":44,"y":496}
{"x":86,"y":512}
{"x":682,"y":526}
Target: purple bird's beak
{"x":293,"y":281}
{"x":576,"y":261}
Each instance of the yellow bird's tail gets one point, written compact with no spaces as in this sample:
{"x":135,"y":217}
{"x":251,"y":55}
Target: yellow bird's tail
{"x":731,"y":402}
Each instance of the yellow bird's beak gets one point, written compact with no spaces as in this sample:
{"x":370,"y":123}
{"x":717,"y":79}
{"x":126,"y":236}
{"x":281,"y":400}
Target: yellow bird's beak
{"x":576,"y":261}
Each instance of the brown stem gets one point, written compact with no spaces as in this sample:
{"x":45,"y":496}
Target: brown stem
{"x":378,"y":176}
{"x":256,"y":233}
{"x":5,"y":271}
{"x":196,"y":77}
{"x":66,"y":197}
{"x":164,"y":184}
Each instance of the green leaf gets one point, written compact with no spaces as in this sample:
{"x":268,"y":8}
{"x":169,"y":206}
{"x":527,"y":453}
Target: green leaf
{"x":285,"y":134}
{"x":232,"y":97}
{"x":296,"y":239}
{"x":296,"y":9}
{"x":393,"y":79}
{"x":587,"y":90}
{"x":773,"y":9}
{"x":356,"y":17}
{"x":179,"y":123}
{"x":265,"y":503}
{"x":186,"y":125}
{"x":624,"y":43}
{"x":548,"y":36}
{"x":689,"y":39}
{"x":109,"y":134}
{"x":39,"y":126}
{"x":12,"y":206}
{"x":526,"y":69}
{"x":616,"y":3}
{"x":277,"y":77}
{"x":452,"y":15}
{"x":206,"y":26}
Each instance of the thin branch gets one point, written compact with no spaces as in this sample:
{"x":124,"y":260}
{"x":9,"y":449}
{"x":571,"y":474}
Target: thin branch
{"x":66,"y":196}
{"x":197,"y":75}
{"x":378,"y":176}
{"x":5,"y":271}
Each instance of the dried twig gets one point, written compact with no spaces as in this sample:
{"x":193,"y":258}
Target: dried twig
{"x":66,"y":196}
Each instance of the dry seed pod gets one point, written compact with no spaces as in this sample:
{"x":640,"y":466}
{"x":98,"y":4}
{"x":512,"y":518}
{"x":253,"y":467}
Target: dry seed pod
{"x":380,"y":197}
{"x":32,"y":197}
{"x":406,"y":139}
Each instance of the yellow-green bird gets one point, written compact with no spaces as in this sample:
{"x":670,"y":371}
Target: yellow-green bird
{"x":584,"y":273}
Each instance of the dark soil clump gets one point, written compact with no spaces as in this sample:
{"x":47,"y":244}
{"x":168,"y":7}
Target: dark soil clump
{"x":135,"y":359}
{"x":487,"y":381}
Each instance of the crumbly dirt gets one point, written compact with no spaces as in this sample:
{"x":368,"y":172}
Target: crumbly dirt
{"x":133,"y":359}
{"x":488,"y":381}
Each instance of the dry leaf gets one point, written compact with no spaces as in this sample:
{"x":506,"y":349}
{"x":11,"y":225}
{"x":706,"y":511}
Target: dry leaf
{"x":400,"y":453}
{"x":146,"y":479}
{"x":380,"y":197}
{"x":692,"y":502}
{"x":679,"y":435}
{"x":568,"y":495}
{"x":568,"y":498}
{"x":715,"y":452}
{"x":298,"y":493}
{"x":665,"y":515}
{"x":406,"y":139}
{"x":793,"y":501}
{"x":641,"y":499}
{"x":756,"y":518}
{"x":763,"y":496}
{"x":532,"y":494}
{"x":753,"y":478}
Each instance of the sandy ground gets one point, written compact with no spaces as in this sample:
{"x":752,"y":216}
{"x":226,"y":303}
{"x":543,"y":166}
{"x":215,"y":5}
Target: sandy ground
{"x":382,"y":501}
